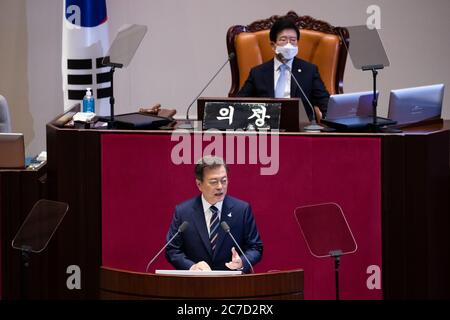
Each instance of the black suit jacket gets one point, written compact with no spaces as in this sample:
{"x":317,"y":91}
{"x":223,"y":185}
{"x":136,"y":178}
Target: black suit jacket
{"x":193,"y":244}
{"x":260,"y":83}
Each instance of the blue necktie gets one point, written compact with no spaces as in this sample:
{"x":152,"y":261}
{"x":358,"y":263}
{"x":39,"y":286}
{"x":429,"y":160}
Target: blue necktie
{"x":280,"y":88}
{"x":214,"y":227}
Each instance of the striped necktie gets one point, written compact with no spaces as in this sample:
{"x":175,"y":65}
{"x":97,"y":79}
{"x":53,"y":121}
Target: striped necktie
{"x":214,"y":227}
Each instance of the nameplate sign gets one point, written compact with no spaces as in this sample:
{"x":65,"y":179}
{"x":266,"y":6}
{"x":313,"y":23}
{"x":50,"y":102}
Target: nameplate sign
{"x":241,"y":115}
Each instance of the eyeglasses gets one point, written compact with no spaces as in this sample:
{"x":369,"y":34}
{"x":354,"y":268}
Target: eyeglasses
{"x":215,"y":182}
{"x":284,"y":40}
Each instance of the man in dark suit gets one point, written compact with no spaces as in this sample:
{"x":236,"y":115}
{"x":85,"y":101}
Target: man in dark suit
{"x":204,"y":245}
{"x":272,"y":80}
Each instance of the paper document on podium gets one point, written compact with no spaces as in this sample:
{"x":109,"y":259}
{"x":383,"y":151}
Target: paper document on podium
{"x":198,"y":273}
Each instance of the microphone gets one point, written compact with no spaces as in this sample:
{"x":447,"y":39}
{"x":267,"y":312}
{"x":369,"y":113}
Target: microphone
{"x":226,"y":228}
{"x":188,"y":126}
{"x":313,"y":127}
{"x":181,"y":229}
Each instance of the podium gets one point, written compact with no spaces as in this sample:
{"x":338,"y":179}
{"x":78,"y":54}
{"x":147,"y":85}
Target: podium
{"x":124,"y":285}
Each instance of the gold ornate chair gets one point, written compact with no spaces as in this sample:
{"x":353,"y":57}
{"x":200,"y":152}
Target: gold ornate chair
{"x":320,"y":43}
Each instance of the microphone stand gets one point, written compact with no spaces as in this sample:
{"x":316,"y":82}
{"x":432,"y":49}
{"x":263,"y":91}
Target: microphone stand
{"x":162,"y":249}
{"x":112,"y":99}
{"x":376,"y":127}
{"x":314,"y":126}
{"x":374,"y":69}
{"x":227,"y":229}
{"x":336,"y":254}
{"x":189,"y":125}
{"x":25,"y":271}
{"x":181,"y":229}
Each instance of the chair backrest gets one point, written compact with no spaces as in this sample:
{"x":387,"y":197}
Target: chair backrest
{"x":320,"y":43}
{"x":5,"y":120}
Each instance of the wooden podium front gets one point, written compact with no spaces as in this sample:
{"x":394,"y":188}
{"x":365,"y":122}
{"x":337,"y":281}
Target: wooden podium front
{"x":123,"y":285}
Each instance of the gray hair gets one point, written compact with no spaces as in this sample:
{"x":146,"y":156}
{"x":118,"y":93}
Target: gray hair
{"x":208,"y":162}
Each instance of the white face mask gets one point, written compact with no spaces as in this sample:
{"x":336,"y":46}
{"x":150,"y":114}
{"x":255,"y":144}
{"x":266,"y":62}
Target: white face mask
{"x":288,"y":51}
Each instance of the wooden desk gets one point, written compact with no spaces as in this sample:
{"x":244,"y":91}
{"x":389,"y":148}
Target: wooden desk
{"x":124,"y":285}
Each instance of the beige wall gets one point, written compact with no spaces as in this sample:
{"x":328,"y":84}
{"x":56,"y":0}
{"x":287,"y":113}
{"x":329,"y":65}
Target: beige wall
{"x":13,"y":65}
{"x":186,"y":44}
{"x":44,"y":20}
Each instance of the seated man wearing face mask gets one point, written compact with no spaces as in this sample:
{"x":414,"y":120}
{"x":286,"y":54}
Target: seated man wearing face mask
{"x":272,"y":80}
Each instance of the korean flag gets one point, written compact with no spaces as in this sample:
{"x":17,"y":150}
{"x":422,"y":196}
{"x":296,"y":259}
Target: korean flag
{"x":85,"y":41}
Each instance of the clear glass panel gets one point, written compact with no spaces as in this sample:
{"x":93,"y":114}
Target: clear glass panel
{"x":125,"y":45}
{"x":40,"y":225}
{"x":325,"y":229}
{"x":366,"y":48}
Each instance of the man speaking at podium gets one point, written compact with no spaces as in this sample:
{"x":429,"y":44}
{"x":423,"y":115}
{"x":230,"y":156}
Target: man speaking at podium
{"x":204,"y":245}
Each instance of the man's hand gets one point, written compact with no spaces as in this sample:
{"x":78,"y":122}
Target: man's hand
{"x":319,"y":115}
{"x":200,"y":266}
{"x":236,"y":262}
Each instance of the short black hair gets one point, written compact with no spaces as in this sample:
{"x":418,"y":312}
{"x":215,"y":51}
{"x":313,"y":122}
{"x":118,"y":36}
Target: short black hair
{"x":208,"y":162}
{"x":280,"y":25}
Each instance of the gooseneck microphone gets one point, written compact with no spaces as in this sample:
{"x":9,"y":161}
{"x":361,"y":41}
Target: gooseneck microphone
{"x":181,"y":229}
{"x":313,"y":127}
{"x":226,"y":228}
{"x":230,"y":57}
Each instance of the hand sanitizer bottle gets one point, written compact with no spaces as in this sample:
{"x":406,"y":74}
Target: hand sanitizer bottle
{"x":88,"y":101}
